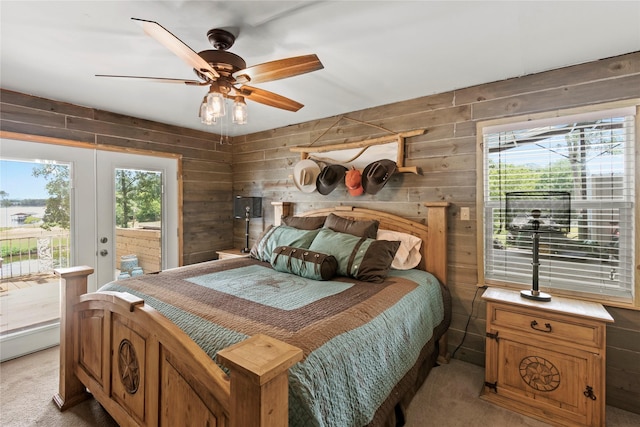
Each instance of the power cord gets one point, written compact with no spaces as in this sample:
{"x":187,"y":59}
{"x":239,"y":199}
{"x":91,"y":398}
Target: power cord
{"x":468,"y":321}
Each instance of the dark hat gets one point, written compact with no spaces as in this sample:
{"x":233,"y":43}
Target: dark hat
{"x":376,"y":175}
{"x":329,"y":178}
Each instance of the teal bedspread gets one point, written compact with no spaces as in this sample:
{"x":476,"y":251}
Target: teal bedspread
{"x":359,"y":339}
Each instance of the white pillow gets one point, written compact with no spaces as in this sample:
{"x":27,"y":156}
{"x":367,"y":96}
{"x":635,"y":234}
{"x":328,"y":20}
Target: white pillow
{"x":408,"y":255}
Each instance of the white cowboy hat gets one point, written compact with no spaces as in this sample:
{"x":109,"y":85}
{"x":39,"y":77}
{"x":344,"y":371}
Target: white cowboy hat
{"x":305,"y":173}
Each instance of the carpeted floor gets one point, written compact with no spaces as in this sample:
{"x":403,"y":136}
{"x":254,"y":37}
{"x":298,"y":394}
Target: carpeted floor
{"x":28,"y":383}
{"x":453,"y":394}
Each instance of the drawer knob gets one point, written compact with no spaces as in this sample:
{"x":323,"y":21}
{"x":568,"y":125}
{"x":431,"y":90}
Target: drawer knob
{"x":547,"y":326}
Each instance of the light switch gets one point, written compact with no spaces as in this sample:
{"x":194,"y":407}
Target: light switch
{"x":464,"y":213}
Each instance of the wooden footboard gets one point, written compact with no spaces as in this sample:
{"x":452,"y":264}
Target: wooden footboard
{"x":146,"y":371}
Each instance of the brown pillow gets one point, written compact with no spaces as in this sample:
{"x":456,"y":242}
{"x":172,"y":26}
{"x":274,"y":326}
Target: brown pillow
{"x":359,"y":228}
{"x":377,"y":261}
{"x":304,"y":263}
{"x":304,"y":222}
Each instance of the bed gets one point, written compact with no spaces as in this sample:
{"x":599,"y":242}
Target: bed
{"x":247,"y":342}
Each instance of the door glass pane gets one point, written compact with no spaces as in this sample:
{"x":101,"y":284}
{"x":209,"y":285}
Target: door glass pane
{"x":34,"y":239}
{"x":138,"y":217}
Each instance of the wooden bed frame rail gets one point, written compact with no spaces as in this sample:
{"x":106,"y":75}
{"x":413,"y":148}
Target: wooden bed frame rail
{"x":148,"y":375}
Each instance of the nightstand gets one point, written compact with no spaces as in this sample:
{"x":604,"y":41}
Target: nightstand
{"x":231,"y":253}
{"x":546,"y":359}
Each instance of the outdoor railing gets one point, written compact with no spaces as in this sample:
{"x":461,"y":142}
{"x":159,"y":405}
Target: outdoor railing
{"x":24,"y":256}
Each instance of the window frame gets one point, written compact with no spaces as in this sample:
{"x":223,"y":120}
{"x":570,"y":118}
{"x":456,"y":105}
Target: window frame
{"x":634,"y":302}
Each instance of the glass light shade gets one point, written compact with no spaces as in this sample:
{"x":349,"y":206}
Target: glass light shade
{"x":216,"y":104}
{"x":206,"y":116}
{"x":239,"y":111}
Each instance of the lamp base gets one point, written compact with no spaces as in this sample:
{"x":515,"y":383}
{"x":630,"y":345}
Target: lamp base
{"x":245,"y":250}
{"x":535,"y":295}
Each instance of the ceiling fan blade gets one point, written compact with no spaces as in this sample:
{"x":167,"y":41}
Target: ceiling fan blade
{"x":158,"y":79}
{"x":279,"y":69}
{"x":269,"y":98}
{"x":178,"y":47}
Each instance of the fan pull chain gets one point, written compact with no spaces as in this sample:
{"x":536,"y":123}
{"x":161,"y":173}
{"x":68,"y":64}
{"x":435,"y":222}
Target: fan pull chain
{"x":224,"y":126}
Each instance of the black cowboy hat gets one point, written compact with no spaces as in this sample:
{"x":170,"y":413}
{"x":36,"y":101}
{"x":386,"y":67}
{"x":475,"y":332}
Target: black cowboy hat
{"x":329,"y":178}
{"x":376,"y":175}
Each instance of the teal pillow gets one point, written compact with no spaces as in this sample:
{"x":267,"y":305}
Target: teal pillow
{"x":362,"y":258}
{"x":281,"y":235}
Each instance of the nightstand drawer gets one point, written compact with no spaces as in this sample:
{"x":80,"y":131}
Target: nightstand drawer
{"x":547,"y":326}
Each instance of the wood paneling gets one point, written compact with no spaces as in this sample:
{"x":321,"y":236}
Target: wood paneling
{"x":446,"y":156}
{"x":261,"y":164}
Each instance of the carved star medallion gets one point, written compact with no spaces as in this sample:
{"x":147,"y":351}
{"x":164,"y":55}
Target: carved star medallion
{"x":539,"y":373}
{"x":128,"y":367}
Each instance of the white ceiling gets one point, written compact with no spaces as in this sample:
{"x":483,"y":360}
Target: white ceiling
{"x":374,"y":52}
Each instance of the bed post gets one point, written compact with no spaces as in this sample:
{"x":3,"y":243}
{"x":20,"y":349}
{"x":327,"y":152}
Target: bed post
{"x":73,"y":283}
{"x":436,"y":261}
{"x":259,"y":380}
{"x":437,"y":242}
{"x":280,"y":209}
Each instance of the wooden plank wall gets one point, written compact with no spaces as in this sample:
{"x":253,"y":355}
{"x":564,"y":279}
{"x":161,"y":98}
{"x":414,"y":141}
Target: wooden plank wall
{"x":446,"y":154}
{"x":206,"y":165}
{"x":262,"y":165}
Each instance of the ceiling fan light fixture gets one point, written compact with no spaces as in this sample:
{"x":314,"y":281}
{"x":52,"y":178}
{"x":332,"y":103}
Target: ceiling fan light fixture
{"x":205,"y":114}
{"x":223,"y":71}
{"x":216,"y":104}
{"x":239,"y":113}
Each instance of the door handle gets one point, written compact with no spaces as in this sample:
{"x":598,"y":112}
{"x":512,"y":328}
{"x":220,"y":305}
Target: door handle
{"x":104,"y":252}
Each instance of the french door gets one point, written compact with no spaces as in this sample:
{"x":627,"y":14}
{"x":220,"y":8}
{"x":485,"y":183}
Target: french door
{"x":94,"y":236}
{"x":151,"y":241}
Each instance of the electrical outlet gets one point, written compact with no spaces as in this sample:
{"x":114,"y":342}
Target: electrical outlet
{"x":464,"y":213}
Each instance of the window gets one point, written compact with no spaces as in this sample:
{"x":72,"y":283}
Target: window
{"x":591,"y":157}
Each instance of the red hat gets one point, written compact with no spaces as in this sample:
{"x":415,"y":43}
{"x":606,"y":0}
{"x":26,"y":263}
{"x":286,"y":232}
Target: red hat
{"x":353,"y":181}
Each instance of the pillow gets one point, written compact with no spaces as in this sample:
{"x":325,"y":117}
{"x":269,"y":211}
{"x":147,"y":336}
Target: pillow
{"x":303,"y":262}
{"x":362,"y":258}
{"x":304,"y":222}
{"x":253,"y":253}
{"x":408,"y":255}
{"x":360,"y":228}
{"x":281,"y":235}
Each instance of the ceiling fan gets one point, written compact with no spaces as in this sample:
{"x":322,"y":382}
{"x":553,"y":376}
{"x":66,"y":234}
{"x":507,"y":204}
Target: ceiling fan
{"x":226,"y":73}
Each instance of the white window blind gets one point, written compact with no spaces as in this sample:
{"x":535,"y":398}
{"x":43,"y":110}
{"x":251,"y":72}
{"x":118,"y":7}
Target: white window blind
{"x":590,"y":157}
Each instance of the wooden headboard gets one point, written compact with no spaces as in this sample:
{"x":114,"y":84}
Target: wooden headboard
{"x":433,"y":234}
